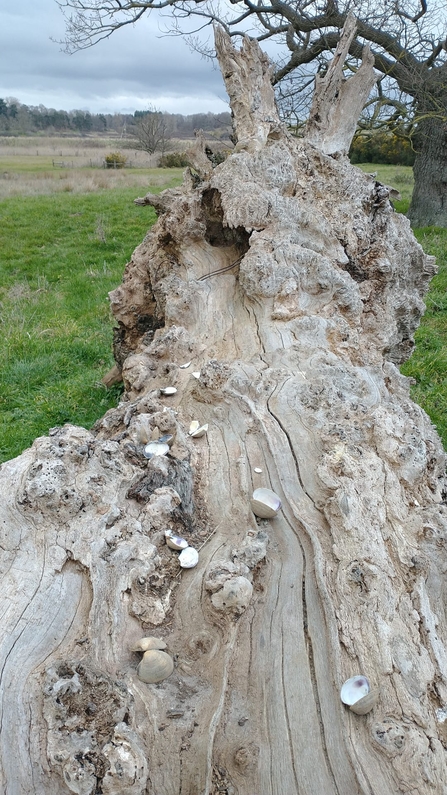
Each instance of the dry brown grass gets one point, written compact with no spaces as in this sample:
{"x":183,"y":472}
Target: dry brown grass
{"x":76,"y":181}
{"x":44,"y":165}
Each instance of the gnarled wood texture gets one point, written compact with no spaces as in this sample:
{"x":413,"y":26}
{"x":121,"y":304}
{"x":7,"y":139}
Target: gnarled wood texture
{"x":297,"y":346}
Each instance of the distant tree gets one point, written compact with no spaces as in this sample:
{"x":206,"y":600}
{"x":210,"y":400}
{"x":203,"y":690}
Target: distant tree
{"x":152,"y":131}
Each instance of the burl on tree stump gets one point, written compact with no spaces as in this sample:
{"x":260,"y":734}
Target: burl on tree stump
{"x":277,"y":293}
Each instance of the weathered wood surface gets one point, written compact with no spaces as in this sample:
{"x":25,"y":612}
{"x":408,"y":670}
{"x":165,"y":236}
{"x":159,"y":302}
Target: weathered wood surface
{"x":297,"y":349}
{"x":338,"y":102}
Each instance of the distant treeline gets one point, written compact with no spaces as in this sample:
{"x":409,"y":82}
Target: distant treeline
{"x":19,"y":119}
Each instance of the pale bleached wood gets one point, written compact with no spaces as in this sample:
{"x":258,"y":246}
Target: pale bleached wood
{"x":338,"y":102}
{"x":297,"y":346}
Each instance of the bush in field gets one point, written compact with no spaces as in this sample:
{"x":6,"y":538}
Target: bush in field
{"x":115,"y":160}
{"x":381,"y":147}
{"x":173,"y":160}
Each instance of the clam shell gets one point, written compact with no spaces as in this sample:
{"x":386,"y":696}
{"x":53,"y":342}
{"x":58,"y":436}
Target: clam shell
{"x":196,"y":374}
{"x":155,"y":666}
{"x":194,"y":426}
{"x":199,"y":432}
{"x":188,"y":558}
{"x":354,"y":689}
{"x":168,"y":390}
{"x":265,"y":503}
{"x":156,"y":448}
{"x":145,"y":644}
{"x":184,"y":366}
{"x":175,"y":542}
{"x":365,"y":704}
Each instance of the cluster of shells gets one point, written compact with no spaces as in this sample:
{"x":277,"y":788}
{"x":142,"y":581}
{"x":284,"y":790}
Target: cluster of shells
{"x":157,"y":665}
{"x":189,"y":557}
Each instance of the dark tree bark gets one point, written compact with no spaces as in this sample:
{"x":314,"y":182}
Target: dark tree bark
{"x":429,"y":200}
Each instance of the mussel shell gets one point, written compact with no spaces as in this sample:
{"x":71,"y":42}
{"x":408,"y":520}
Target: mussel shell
{"x":155,"y":448}
{"x":365,"y":704}
{"x":155,"y":666}
{"x":168,"y":390}
{"x":167,"y":438}
{"x":188,"y":558}
{"x":265,"y":503}
{"x":145,"y":644}
{"x":175,"y":542}
{"x":354,"y":689}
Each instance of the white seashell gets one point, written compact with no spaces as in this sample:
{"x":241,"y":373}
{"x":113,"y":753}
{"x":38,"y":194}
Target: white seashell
{"x":199,"y":432}
{"x":188,"y":558}
{"x":149,"y":643}
{"x":184,"y":366}
{"x":354,"y":689}
{"x":194,"y":426}
{"x":168,"y":390}
{"x":265,"y":503}
{"x":175,"y":542}
{"x":196,"y":374}
{"x":156,"y":448}
{"x":365,"y":704}
{"x":155,"y":666}
{"x":256,"y":469}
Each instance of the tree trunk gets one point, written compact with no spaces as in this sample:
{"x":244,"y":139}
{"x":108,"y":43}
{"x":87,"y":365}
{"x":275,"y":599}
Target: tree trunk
{"x":429,"y":200}
{"x":276,"y":293}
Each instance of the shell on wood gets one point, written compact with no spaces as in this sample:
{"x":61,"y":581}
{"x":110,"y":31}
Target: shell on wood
{"x":145,"y":644}
{"x":197,"y":432}
{"x":168,"y":390}
{"x":155,"y":448}
{"x":365,"y":704}
{"x":155,"y":435}
{"x":155,"y":666}
{"x":175,"y":542}
{"x":265,"y":503}
{"x":354,"y":689}
{"x":167,"y":438}
{"x":188,"y":558}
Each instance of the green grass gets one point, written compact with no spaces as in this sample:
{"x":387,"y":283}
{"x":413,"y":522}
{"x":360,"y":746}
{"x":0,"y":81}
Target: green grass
{"x":59,"y":257}
{"x":428,"y":364}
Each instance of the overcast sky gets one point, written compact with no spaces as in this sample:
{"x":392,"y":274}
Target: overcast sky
{"x":135,"y":68}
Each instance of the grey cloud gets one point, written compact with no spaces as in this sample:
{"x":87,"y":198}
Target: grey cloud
{"x":135,"y":63}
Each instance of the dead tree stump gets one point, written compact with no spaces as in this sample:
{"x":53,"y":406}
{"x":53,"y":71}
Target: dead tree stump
{"x":277,"y":293}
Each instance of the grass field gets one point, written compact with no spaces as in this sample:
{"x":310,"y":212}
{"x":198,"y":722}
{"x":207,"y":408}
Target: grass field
{"x":63,"y":248}
{"x":59,"y":257}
